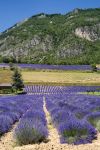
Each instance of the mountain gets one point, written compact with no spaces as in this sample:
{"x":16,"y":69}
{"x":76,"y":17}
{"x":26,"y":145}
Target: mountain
{"x":73,"y":38}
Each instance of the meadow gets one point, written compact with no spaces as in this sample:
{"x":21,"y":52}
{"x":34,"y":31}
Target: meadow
{"x":67,"y":77}
{"x":53,"y":77}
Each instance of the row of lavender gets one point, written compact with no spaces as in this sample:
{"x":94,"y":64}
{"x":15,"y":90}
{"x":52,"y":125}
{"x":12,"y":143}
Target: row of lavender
{"x":29,"y":110}
{"x":51,"y":67}
{"x":76,"y":117}
{"x":32,"y":127}
{"x":59,"y":89}
{"x":11,"y":109}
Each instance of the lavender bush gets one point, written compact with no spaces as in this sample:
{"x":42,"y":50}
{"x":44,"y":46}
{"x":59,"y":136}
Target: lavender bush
{"x":36,"y":115}
{"x":12,"y":109}
{"x":75,"y":132}
{"x":5,"y":124}
{"x":94,"y":119}
{"x":61,"y":116}
{"x":32,"y":127}
{"x":29,"y":131}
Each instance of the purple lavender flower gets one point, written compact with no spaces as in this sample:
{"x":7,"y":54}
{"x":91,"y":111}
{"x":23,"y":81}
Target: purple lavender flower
{"x":75,"y":132}
{"x":28,"y":132}
{"x":5,"y":123}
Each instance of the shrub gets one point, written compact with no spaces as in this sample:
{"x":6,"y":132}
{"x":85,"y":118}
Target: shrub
{"x":13,"y":115}
{"x":75,"y":132}
{"x":94,"y":68}
{"x":36,"y":115}
{"x":96,"y":109}
{"x":28,"y":132}
{"x":80,"y":114}
{"x":94,"y":119}
{"x":11,"y":65}
{"x":5,"y":124}
{"x":61,"y":116}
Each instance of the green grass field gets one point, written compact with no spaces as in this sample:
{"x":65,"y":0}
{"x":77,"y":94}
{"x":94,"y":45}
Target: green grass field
{"x":91,"y":93}
{"x":53,"y":77}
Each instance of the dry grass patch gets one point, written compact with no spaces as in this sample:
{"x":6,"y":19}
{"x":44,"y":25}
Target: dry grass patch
{"x":5,"y":76}
{"x":61,"y":77}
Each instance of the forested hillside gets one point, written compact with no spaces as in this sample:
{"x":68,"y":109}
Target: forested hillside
{"x":73,"y":38}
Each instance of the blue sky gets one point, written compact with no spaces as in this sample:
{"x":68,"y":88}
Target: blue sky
{"x":13,"y":11}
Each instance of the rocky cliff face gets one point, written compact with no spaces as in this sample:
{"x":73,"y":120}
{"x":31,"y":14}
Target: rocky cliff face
{"x":71,"y":38}
{"x":23,"y":49}
{"x":89,"y":33}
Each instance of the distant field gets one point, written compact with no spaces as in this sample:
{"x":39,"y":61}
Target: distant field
{"x":60,"y":77}
{"x":5,"y":76}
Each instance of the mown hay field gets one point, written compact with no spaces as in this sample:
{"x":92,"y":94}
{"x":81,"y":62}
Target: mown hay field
{"x":60,"y":77}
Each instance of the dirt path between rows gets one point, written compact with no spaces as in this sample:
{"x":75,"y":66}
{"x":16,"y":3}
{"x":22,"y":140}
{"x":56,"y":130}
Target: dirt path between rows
{"x":7,"y":141}
{"x":53,"y":143}
{"x":53,"y":134}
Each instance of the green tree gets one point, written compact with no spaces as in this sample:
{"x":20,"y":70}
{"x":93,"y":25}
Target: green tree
{"x":94,"y":68}
{"x":12,"y":66}
{"x":17,"y":80}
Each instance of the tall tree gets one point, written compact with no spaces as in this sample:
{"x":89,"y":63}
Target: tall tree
{"x":17,"y":80}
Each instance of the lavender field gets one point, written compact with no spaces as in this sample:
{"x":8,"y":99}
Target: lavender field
{"x":42,"y":89}
{"x":50,"y":67}
{"x":76,"y":117}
